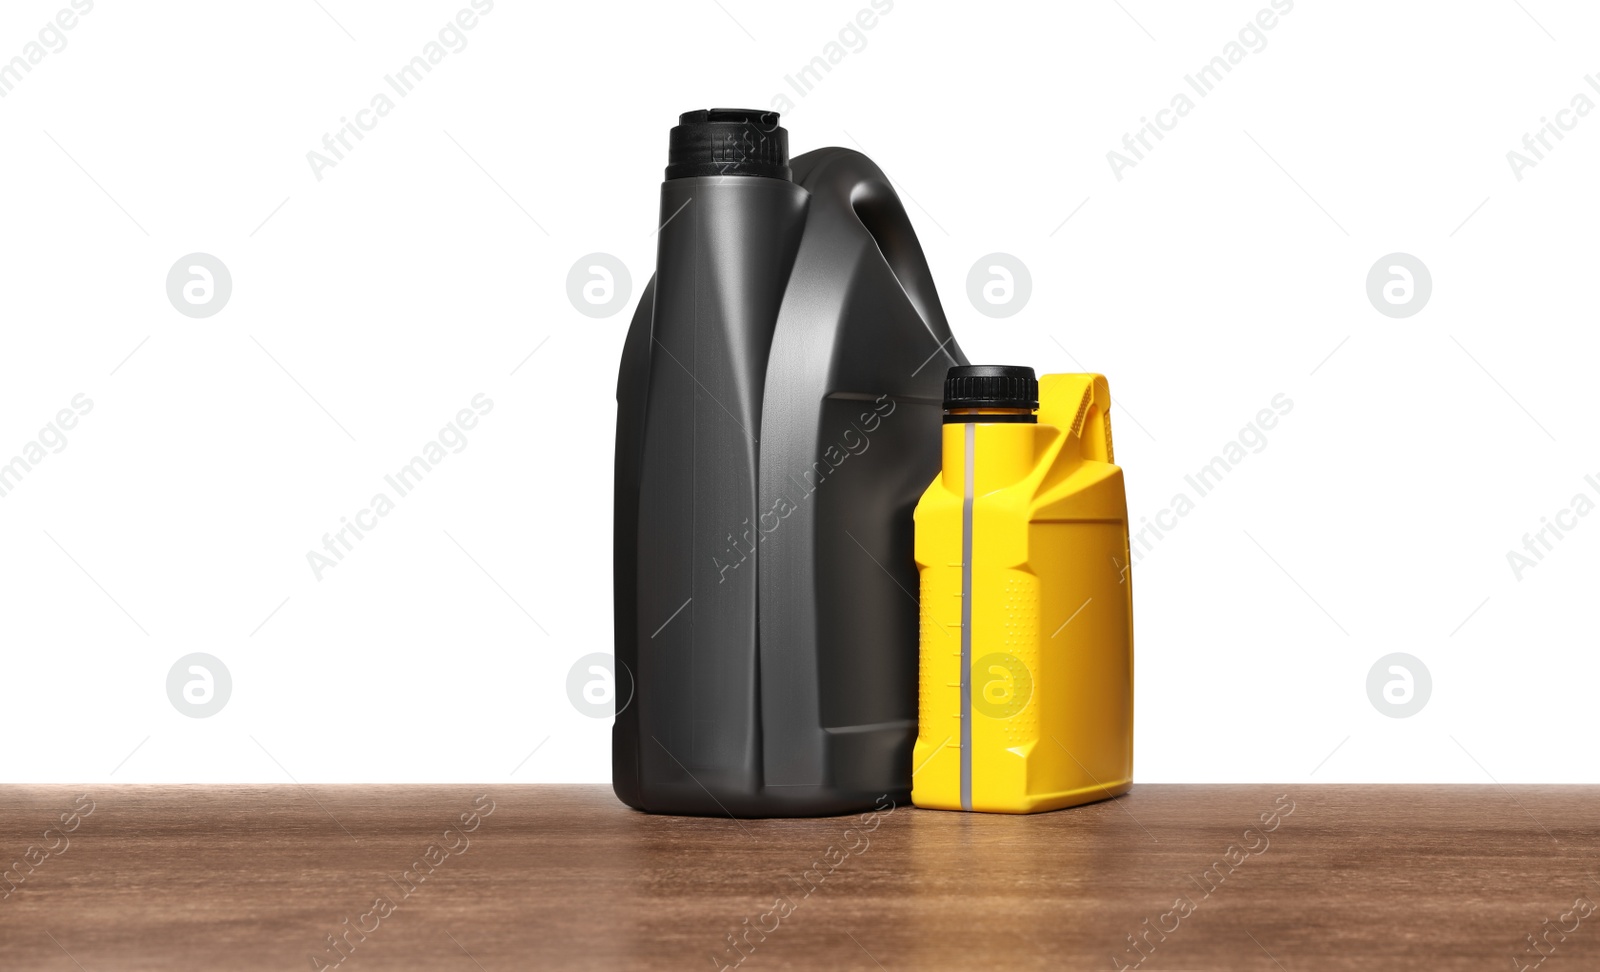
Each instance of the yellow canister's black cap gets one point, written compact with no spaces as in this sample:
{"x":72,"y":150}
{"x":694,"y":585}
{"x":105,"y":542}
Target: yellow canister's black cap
{"x":991,"y":386}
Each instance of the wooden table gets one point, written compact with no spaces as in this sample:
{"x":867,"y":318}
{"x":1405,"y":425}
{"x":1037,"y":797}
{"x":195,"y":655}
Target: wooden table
{"x":513,"y":877}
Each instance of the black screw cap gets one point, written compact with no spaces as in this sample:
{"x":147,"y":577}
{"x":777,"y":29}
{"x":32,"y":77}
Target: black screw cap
{"x":991,"y":386}
{"x":728,"y":142}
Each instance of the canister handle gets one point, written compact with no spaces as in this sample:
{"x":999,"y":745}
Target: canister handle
{"x":1080,"y":406}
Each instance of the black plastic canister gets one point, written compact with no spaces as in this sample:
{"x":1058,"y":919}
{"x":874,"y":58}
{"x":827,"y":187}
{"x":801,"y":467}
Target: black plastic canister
{"x":778,"y":417}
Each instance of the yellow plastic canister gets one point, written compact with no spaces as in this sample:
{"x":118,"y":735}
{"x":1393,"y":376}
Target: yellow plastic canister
{"x":1026,"y":682}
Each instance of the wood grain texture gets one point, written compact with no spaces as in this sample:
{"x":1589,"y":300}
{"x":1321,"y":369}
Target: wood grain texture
{"x":247,"y":877}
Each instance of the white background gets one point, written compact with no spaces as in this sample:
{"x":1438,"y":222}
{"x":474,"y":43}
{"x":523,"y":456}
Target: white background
{"x":371,"y":305}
